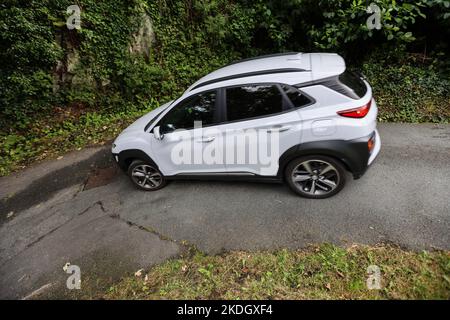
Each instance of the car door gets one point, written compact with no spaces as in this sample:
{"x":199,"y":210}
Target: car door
{"x":262,"y":122}
{"x":181,"y":148}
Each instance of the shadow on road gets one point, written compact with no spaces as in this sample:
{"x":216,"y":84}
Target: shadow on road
{"x":43,"y":188}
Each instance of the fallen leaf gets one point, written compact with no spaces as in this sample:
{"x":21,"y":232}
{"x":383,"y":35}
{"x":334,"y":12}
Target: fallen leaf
{"x":10,"y":214}
{"x":59,"y":158}
{"x":328,"y":286}
{"x":138,"y":273}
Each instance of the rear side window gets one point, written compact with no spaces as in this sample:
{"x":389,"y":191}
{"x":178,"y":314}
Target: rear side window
{"x":297,"y":98}
{"x":252,"y":101}
{"x":354,"y":83}
{"x":348,"y":83}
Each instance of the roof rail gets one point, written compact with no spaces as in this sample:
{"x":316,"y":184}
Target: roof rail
{"x":249,"y":74}
{"x":263,"y":57}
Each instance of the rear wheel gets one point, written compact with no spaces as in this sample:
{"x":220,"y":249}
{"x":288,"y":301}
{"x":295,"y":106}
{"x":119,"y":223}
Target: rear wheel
{"x":315,"y":177}
{"x":146,"y":176}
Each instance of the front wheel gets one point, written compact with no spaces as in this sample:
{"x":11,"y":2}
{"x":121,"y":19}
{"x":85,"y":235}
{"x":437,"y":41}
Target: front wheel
{"x":146,"y":176}
{"x":315,"y":177}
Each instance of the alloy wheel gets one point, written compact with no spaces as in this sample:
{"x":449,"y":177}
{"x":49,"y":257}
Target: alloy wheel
{"x":315,"y":177}
{"x":146,"y":176}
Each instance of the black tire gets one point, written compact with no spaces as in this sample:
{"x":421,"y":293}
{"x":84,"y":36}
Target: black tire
{"x":151,"y":180}
{"x":318,"y":186}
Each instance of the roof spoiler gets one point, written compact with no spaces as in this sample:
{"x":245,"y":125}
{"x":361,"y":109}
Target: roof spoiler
{"x":326,"y":65}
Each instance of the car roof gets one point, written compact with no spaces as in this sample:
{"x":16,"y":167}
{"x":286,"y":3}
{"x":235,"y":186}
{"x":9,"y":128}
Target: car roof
{"x":290,"y":68}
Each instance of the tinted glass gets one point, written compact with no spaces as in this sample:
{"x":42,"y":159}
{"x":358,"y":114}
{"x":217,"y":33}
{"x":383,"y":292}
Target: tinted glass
{"x":354,"y":83}
{"x":253,"y":101}
{"x":297,"y":98}
{"x":200,"y":107}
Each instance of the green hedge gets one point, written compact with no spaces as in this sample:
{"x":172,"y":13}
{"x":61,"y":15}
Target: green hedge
{"x":192,"y":38}
{"x":42,"y":113}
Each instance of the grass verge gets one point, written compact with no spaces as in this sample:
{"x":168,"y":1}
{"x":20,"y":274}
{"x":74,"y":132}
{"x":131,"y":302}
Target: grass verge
{"x":322,"y":272}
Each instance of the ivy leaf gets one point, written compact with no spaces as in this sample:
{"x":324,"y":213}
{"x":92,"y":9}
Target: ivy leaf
{"x":59,"y":23}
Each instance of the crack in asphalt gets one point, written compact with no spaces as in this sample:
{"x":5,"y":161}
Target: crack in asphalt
{"x":187,"y":247}
{"x":100,"y":203}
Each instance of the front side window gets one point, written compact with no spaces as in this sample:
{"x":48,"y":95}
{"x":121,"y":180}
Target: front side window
{"x":200,"y":107}
{"x":252,"y":101}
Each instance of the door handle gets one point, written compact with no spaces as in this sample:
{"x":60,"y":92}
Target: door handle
{"x":206,"y":139}
{"x":278,"y":128}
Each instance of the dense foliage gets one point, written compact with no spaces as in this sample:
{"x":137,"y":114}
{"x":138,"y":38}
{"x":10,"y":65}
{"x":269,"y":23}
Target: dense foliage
{"x":62,"y":88}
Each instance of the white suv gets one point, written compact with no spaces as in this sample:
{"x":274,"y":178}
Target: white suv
{"x":294,"y":117}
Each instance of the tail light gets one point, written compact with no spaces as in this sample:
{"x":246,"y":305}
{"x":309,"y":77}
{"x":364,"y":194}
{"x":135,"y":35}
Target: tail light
{"x":360,"y":112}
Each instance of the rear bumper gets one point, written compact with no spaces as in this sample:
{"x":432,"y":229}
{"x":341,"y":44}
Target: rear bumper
{"x":370,"y":157}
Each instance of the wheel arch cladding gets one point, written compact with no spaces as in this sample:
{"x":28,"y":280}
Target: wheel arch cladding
{"x":126,"y":157}
{"x":353,"y":154}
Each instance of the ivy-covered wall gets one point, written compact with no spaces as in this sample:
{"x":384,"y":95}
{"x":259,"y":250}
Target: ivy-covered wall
{"x":63,"y":89}
{"x":44,"y":64}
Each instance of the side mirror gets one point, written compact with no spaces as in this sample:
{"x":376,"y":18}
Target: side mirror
{"x":157,"y":133}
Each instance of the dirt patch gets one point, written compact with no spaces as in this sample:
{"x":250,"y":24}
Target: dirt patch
{"x":101,"y":177}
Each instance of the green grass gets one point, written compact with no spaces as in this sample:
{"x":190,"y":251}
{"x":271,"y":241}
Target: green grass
{"x":323,"y":272}
{"x":59,"y":133}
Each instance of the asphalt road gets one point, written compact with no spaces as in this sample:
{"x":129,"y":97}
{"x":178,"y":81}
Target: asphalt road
{"x":72,"y":211}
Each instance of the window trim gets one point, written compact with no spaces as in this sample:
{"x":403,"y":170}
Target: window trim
{"x":311,"y":99}
{"x":283,"y":94}
{"x":221,"y":104}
